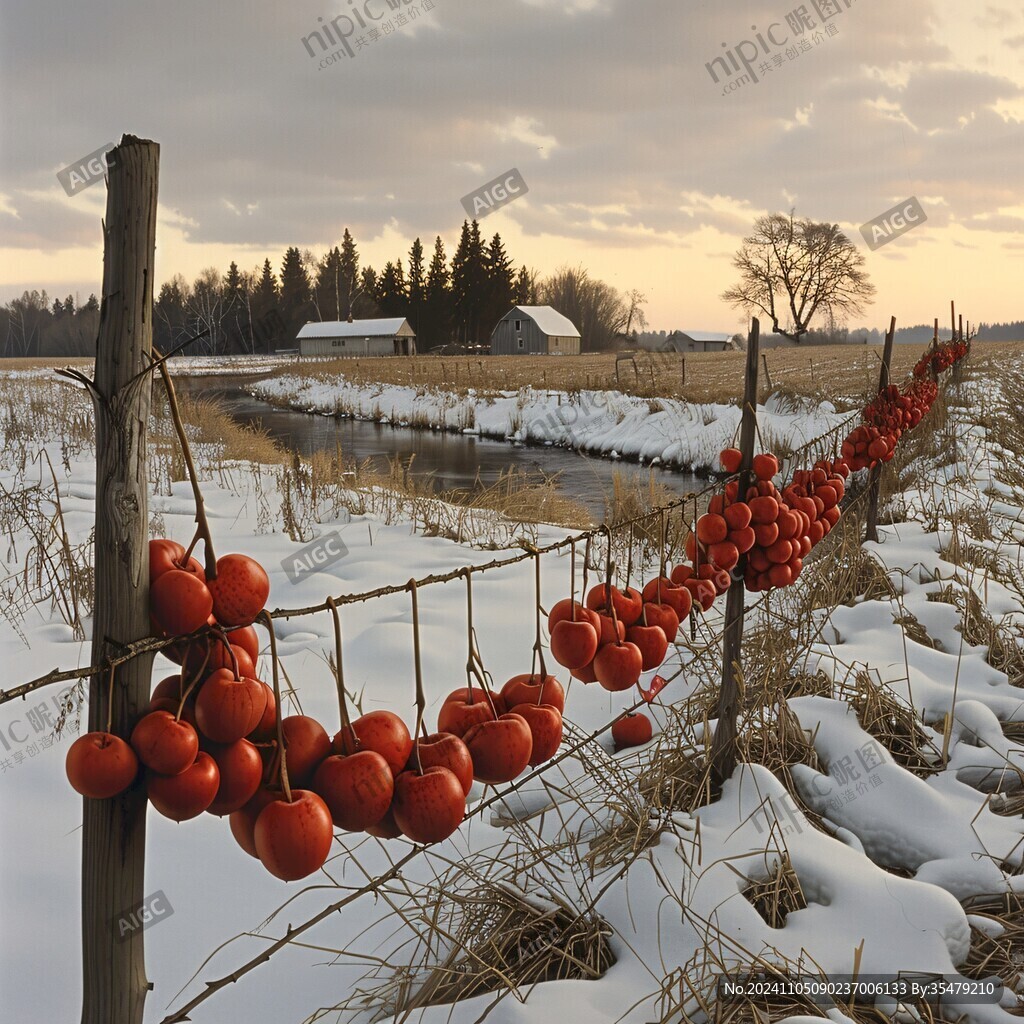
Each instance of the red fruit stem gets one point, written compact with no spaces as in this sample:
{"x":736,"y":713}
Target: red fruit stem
{"x":609,"y":567}
{"x":222,"y":637}
{"x":586,"y":568}
{"x":203,"y":526}
{"x":273,"y":763}
{"x":469,"y":638}
{"x":629,"y":556}
{"x":661,"y":556}
{"x":474,"y":663}
{"x":186,"y":690}
{"x":339,"y":678}
{"x":269,"y":623}
{"x":696,"y":542}
{"x":421,"y":700}
{"x":615,"y":623}
{"x":110,"y":698}
{"x":538,"y":649}
{"x":188,"y":551}
{"x":572,"y":579}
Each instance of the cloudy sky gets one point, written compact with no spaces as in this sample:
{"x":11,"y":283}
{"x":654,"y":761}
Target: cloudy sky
{"x":639,"y":166}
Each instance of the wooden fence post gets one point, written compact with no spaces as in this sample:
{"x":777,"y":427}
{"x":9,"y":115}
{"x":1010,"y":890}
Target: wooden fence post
{"x":875,"y":477}
{"x":114,"y":831}
{"x":723,"y":747}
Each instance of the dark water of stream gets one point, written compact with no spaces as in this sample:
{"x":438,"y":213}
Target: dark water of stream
{"x":452,"y":460}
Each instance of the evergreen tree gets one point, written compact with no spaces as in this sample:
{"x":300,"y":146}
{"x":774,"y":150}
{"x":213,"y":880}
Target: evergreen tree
{"x":469,"y":283}
{"x":265,"y":326}
{"x":369,"y":292}
{"x":477,"y":286}
{"x":437,"y":305}
{"x":296,"y":304}
{"x":525,"y":293}
{"x":92,"y":303}
{"x":329,"y":287}
{"x":416,"y":288}
{"x":351,"y":286}
{"x":500,"y":290}
{"x":294,"y":282}
{"x":391,"y":291}
{"x":268,"y":285}
{"x":232,"y":284}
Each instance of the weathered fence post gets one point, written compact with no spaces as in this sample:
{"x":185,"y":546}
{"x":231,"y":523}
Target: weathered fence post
{"x":723,"y":747}
{"x":875,"y":476}
{"x":114,"y":831}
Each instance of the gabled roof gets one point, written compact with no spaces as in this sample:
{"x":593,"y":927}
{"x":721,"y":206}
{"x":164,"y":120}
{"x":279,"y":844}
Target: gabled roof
{"x":549,"y":320}
{"x":357,"y":329}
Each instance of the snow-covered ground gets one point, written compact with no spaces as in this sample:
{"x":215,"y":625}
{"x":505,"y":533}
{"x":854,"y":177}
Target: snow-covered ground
{"x":882,"y":881}
{"x":654,"y":430}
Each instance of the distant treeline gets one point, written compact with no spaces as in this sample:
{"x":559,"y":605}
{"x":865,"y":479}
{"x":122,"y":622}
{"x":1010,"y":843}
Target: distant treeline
{"x":921,"y":334}
{"x":33,"y":326}
{"x":448,"y":303}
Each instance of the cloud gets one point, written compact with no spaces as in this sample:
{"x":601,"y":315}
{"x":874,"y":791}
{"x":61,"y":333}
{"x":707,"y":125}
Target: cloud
{"x":606,"y":107}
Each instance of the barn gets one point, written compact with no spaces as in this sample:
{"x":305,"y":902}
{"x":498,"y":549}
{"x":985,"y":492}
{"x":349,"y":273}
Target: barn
{"x":390,"y":337}
{"x":535,"y":330}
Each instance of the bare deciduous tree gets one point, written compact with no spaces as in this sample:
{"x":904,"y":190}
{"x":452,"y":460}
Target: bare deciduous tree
{"x":794,"y":269}
{"x":596,"y":308}
{"x":636,"y":319}
{"x":207,"y":309}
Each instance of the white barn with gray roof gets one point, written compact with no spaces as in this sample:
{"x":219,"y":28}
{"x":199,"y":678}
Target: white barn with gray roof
{"x":386,"y":337}
{"x":535,"y":330}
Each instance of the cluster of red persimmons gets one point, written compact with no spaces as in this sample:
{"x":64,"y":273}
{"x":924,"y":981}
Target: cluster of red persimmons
{"x":213,"y":739}
{"x":764,"y":535}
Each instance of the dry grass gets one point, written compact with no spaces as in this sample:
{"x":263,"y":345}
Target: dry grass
{"x":40,"y":363}
{"x":469,"y":933}
{"x":776,"y":897}
{"x":211,"y":428}
{"x":882,"y":715}
{"x":838,"y":373}
{"x":1004,"y":640}
{"x":503,"y":939}
{"x":997,"y":955}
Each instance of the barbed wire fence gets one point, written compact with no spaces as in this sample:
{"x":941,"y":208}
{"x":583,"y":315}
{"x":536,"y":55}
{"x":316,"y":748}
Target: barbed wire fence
{"x":696,"y":652}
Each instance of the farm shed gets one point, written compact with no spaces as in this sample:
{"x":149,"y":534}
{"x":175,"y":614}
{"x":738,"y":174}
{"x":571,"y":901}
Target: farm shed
{"x":699,"y":341}
{"x":390,"y":337}
{"x":535,"y":330}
